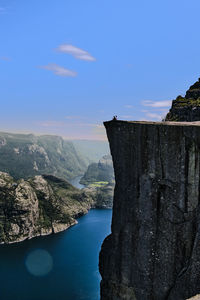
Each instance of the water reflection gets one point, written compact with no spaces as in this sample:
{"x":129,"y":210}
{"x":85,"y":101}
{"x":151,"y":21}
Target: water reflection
{"x":39,"y":262}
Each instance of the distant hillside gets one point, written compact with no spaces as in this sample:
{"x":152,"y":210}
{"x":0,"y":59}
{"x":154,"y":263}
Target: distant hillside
{"x":43,"y":205}
{"x":100,"y":179}
{"x":98,"y":172}
{"x":92,"y":150}
{"x":27,"y":155}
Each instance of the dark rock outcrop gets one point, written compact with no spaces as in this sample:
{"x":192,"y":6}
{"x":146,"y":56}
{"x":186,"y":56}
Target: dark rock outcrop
{"x":186,"y":108}
{"x":153,"y":252}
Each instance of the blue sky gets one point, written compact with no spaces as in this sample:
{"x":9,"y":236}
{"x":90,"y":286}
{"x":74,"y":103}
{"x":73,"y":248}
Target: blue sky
{"x":68,"y":65}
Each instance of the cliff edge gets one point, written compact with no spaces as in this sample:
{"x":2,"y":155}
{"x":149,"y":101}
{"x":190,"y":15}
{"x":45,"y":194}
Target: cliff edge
{"x":153,"y":252}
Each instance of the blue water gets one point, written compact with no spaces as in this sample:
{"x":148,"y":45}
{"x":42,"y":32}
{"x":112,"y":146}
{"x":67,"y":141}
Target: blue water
{"x":75,"y":182}
{"x":69,"y":258}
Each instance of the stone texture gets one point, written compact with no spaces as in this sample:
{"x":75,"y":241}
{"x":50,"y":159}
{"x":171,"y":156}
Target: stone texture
{"x":153,"y":252}
{"x":197,"y":297}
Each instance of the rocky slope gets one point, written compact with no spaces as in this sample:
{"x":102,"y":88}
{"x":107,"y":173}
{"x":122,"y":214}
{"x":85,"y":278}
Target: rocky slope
{"x":153,"y":252}
{"x":40,"y":205}
{"x":186,"y":108}
{"x":103,"y":195}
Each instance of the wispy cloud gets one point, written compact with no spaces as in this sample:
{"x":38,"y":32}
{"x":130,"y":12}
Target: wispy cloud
{"x":59,"y":70}
{"x":74,"y":117}
{"x":52,"y":124}
{"x":154,"y":116}
{"x":128,"y":106}
{"x":5,"y":10}
{"x":72,"y":130}
{"x":156,"y":103}
{"x":127,"y":117}
{"x":76,"y":52}
{"x":5,"y":58}
{"x":99,"y":130}
{"x":2,"y":10}
{"x":66,"y":124}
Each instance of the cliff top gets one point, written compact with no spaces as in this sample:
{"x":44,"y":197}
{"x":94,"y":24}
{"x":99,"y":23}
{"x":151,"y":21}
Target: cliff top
{"x":169,"y":123}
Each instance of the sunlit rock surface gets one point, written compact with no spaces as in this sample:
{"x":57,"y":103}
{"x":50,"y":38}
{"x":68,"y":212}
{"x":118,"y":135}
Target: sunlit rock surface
{"x":39,"y":206}
{"x":197,"y":297}
{"x":153,"y":252}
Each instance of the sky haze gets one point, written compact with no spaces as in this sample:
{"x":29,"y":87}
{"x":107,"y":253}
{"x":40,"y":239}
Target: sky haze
{"x":67,"y":66}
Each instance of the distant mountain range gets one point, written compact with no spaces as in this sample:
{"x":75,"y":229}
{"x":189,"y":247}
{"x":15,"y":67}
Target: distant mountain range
{"x":27,"y":155}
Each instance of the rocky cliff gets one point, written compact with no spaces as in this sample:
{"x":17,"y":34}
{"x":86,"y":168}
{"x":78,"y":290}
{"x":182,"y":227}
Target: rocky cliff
{"x":186,"y":108}
{"x":153,"y":252}
{"x":41,"y":205}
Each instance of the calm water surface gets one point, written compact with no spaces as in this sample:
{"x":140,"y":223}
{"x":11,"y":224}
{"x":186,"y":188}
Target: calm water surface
{"x":69,"y":258}
{"x":75,"y":182}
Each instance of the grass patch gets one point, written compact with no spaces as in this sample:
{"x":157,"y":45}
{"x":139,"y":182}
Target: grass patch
{"x":98,"y":184}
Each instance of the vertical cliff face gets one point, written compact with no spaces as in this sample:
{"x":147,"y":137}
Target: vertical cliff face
{"x":153,"y":252}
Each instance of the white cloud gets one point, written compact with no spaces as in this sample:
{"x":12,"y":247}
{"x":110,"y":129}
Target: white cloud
{"x":76,"y":52}
{"x":157,"y":103}
{"x":58,"y":70}
{"x":154,"y":116}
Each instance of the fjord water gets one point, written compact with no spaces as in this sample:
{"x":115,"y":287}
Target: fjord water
{"x":69,"y":258}
{"x":75,"y":182}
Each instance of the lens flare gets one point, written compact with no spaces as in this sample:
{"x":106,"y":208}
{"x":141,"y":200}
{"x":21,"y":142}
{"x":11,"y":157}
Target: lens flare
{"x":39,"y":262}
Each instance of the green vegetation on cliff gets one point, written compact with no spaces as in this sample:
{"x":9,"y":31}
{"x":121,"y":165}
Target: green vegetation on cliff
{"x":99,"y":178}
{"x":42,"y":205}
{"x":186,"y":108}
{"x":38,"y":206}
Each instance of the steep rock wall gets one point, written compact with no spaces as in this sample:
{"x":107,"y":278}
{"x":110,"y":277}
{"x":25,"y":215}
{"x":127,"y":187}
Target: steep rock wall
{"x":153,"y":252}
